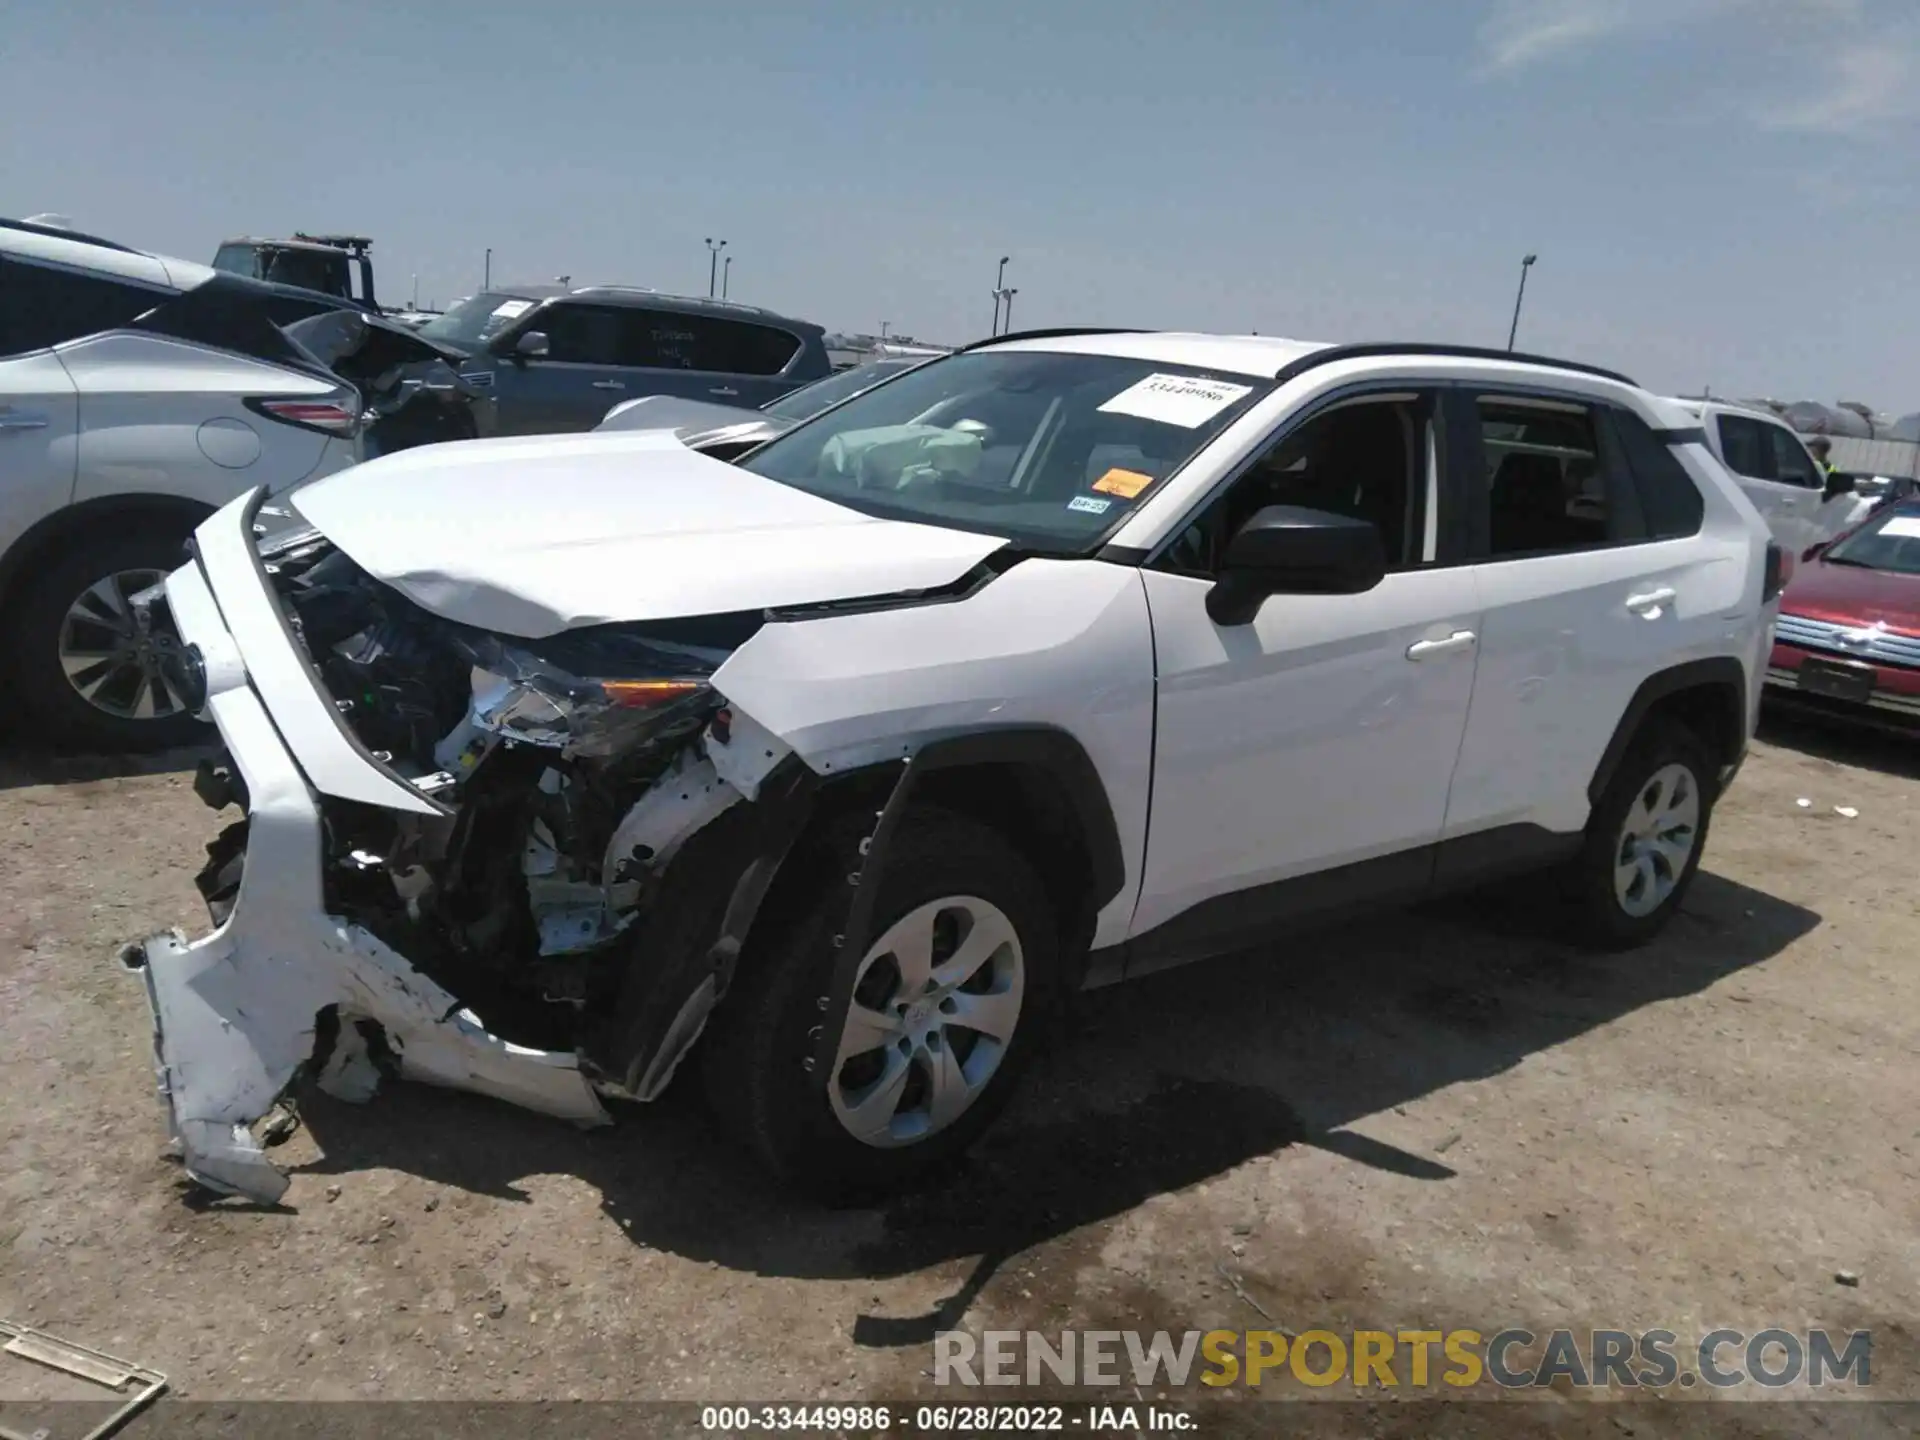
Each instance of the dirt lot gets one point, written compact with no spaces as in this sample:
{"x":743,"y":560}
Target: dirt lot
{"x":1426,"y":1121}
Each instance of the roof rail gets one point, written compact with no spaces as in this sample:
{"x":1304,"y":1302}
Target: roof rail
{"x":1058,"y":333}
{"x":55,"y":232}
{"x":1333,"y":353}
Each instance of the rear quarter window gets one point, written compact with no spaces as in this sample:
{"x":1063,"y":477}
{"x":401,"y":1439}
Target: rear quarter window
{"x":1669,"y":498}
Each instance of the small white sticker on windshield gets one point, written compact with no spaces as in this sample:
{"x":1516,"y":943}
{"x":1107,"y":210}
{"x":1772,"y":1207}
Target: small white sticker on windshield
{"x":507,"y":309}
{"x":1092,"y":505}
{"x":1902,"y":527}
{"x":1182,"y":400}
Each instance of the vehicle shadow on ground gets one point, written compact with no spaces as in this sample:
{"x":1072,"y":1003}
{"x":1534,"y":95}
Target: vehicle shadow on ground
{"x":1836,"y":741}
{"x":1150,"y":1087}
{"x":24,"y":763}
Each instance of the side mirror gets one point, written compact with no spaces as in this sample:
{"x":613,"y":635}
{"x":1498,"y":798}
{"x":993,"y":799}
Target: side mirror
{"x":1291,"y":550}
{"x":531,"y":345}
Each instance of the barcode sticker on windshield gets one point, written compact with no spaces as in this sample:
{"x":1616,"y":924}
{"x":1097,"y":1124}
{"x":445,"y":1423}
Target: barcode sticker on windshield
{"x":510,"y":308}
{"x":1902,"y":527}
{"x":1183,"y":400}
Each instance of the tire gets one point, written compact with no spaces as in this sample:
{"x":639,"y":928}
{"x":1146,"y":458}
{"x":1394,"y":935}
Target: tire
{"x":754,"y":1062}
{"x":1664,"y":766}
{"x":57,"y":710}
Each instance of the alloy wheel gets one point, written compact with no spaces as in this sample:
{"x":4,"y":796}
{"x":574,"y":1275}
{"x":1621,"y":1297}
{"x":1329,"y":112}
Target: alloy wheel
{"x":1657,"y":839}
{"x":113,"y":662}
{"x":935,"y":1004}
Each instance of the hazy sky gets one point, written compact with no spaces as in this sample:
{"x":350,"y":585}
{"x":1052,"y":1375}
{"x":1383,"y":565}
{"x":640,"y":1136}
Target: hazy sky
{"x":1721,"y":192}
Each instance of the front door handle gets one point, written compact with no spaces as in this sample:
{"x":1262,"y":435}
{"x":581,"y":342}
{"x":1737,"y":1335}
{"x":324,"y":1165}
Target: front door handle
{"x":1651,"y":599}
{"x":1454,"y":643}
{"x":609,"y":384}
{"x":11,"y":419}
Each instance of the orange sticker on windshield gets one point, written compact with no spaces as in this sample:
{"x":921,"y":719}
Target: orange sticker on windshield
{"x":1125,"y":483}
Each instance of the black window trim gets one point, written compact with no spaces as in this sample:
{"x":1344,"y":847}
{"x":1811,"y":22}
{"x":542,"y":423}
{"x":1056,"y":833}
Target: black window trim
{"x":1428,"y":398}
{"x":1623,"y":495}
{"x":1669,"y":441}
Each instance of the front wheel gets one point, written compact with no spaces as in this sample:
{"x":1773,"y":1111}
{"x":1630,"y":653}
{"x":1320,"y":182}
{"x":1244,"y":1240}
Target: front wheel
{"x":948,"y":1001}
{"x":89,"y":675}
{"x":1644,"y":839}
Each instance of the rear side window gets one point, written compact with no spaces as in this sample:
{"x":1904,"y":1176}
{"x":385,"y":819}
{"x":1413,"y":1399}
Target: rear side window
{"x":1669,"y":499}
{"x":1745,"y":446}
{"x":43,"y":305}
{"x":1548,"y":487}
{"x":669,"y":340}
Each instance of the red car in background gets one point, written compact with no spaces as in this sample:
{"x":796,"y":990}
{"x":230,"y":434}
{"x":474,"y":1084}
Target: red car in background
{"x":1848,"y":640}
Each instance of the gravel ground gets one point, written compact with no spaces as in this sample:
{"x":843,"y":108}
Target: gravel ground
{"x":1425,"y":1121}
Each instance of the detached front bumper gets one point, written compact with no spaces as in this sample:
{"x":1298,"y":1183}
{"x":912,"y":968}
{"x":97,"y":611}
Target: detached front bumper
{"x":236,"y":1015}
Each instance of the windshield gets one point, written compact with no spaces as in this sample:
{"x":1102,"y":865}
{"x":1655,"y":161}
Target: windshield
{"x":1048,"y":450}
{"x":1889,"y":541}
{"x":809,"y":400}
{"x":476,"y":320}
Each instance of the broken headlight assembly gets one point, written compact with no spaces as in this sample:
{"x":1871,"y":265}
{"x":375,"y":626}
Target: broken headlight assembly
{"x":592,"y":696}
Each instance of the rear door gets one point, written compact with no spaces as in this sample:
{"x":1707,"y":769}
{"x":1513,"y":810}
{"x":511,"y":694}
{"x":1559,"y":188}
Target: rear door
{"x":706,"y":357}
{"x":575,"y":383}
{"x":1587,"y":590}
{"x":42,"y":306}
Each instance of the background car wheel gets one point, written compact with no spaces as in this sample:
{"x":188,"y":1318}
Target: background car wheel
{"x":952,"y":991}
{"x":88,"y":678}
{"x":1644,"y":839}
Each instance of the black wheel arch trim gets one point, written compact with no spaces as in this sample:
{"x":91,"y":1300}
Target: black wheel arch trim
{"x":1059,"y":753}
{"x":1721,"y":672}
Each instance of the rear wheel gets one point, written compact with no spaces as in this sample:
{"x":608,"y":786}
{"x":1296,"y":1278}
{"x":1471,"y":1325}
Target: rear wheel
{"x":1644,"y":839}
{"x":89,"y":675}
{"x":948,"y":999}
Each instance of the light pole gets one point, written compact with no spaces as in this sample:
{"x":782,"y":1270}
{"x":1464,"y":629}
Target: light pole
{"x":999,"y":292}
{"x":726,"y":276}
{"x":1006,"y":326}
{"x":486,"y":276}
{"x":1526,"y":264}
{"x":713,"y":263}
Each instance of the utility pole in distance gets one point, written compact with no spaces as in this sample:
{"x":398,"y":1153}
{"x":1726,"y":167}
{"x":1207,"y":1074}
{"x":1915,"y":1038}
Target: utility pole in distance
{"x":486,"y":275}
{"x":713,"y":263}
{"x":1513,"y":330}
{"x":1006,"y":327}
{"x":999,"y":293}
{"x":726,"y":276}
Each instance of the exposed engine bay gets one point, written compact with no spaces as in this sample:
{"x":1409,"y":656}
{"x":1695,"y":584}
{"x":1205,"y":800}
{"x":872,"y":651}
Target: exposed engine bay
{"x":575,"y":768}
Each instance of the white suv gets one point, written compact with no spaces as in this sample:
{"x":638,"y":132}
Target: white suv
{"x":1773,"y":465}
{"x":137,"y":395}
{"x":1059,"y":660}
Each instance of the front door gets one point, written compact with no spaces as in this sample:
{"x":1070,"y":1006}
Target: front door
{"x":1322,"y":736}
{"x":574,"y":384}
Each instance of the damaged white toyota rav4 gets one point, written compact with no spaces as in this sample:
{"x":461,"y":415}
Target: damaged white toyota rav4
{"x":832,"y":770}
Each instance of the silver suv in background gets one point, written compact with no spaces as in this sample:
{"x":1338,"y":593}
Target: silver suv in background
{"x":549,"y":359}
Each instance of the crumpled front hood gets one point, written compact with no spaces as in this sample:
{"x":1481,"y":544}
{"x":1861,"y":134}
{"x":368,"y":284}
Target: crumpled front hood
{"x":533,"y":535}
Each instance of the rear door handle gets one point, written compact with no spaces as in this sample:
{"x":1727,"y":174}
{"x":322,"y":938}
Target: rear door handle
{"x":1454,"y":643}
{"x":723,"y":390}
{"x":12,"y":419}
{"x":1651,"y":598}
{"x":609,"y":384}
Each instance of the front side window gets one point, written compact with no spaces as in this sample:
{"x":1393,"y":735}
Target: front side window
{"x":44,"y":305}
{"x":1049,"y":450}
{"x":1745,"y":447}
{"x":1545,"y":480}
{"x":1792,"y":465}
{"x":1364,"y":459}
{"x":585,"y":334}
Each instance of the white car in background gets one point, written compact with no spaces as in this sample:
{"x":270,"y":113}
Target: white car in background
{"x":1773,"y":465}
{"x":138,"y":394}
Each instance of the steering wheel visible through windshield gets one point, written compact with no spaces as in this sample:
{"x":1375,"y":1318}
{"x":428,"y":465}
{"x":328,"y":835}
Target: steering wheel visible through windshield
{"x":1048,"y":450}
